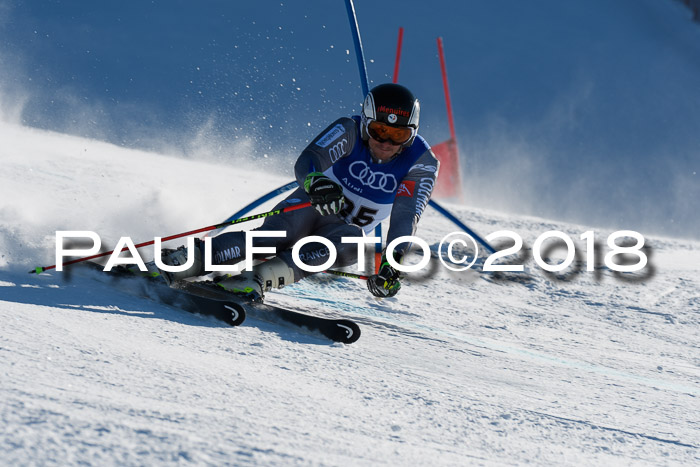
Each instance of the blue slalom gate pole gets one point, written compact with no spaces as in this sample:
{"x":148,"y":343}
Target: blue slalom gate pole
{"x":434,"y":204}
{"x":364,"y":82}
{"x":461,"y":225}
{"x":263,"y":199}
{"x":256,"y":203}
{"x":355,"y":29}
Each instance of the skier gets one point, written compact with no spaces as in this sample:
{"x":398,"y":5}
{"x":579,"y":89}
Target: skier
{"x":356,"y":173}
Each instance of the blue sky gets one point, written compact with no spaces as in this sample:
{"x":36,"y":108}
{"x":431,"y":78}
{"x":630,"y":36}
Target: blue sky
{"x":584,"y":111}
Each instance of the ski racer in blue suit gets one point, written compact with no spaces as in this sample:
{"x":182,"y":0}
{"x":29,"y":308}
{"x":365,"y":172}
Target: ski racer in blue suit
{"x":355,"y":173}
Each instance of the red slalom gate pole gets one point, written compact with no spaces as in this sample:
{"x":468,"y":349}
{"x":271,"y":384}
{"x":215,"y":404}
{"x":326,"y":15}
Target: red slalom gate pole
{"x":39,"y":270}
{"x":443,"y":68}
{"x":398,"y":56}
{"x":449,"y":152}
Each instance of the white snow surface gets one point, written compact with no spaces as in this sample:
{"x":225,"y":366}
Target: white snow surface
{"x":459,"y":369}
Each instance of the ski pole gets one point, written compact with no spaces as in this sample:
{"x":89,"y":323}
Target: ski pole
{"x":289,"y":186}
{"x":346,"y":274}
{"x":39,"y":270}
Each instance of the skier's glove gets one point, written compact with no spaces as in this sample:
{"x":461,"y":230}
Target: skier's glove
{"x":326,"y":196}
{"x":386,"y":283}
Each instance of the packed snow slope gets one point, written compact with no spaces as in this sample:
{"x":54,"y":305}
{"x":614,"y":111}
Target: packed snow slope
{"x":460,"y":368}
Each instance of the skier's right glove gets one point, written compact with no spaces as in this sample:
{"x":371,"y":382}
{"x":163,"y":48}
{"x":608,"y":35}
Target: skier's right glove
{"x":326,"y":196}
{"x":386,"y":283}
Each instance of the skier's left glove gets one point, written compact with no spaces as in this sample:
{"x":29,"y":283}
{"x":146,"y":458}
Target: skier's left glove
{"x":387,"y":282}
{"x":326,"y":196}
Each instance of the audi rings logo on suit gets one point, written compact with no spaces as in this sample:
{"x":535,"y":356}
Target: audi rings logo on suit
{"x":375,"y":180}
{"x":337,"y":150}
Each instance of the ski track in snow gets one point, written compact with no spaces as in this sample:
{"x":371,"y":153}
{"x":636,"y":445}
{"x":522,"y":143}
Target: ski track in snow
{"x":460,"y":368}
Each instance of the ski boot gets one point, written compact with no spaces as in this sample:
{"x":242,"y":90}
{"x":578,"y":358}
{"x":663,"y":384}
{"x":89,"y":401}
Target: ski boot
{"x":179,"y":257}
{"x":253,"y":284}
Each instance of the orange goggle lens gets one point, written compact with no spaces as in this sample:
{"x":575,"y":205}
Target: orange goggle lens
{"x":383,"y":132}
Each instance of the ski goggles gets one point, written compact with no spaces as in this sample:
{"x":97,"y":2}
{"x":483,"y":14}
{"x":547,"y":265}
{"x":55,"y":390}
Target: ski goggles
{"x":395,"y":135}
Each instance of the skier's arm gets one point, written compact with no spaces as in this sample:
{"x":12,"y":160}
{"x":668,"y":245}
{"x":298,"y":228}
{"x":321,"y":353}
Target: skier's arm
{"x":412,"y":198}
{"x":410,"y":202}
{"x":332,"y":144}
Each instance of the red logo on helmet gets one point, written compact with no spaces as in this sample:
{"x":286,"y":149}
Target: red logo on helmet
{"x":406,"y":188}
{"x":389,"y":110}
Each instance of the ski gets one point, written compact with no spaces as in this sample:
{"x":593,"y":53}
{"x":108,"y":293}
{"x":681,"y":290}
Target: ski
{"x":337,"y":330}
{"x":151,"y":286}
{"x":209,"y":299}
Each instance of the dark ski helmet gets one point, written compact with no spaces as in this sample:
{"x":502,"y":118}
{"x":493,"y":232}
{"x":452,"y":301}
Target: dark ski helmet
{"x":396,"y":111}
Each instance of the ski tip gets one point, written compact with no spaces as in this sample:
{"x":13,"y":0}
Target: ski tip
{"x":349,"y":331}
{"x":36,"y":271}
{"x":235,"y":314}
